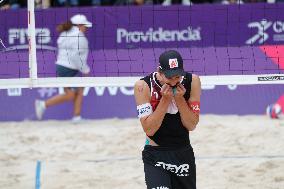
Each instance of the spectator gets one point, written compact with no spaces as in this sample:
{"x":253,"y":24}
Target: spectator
{"x":44,"y":4}
{"x":64,"y":3}
{"x":75,"y":3}
{"x":254,"y":1}
{"x":183,"y":2}
{"x":133,"y":2}
{"x":14,"y":4}
{"x":227,"y":2}
{"x":201,"y":1}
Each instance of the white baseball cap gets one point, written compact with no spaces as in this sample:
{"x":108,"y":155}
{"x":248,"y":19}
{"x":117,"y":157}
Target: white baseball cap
{"x":81,"y":19}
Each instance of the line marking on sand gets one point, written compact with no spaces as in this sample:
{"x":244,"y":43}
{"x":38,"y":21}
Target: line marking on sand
{"x":229,"y":157}
{"x":248,"y":157}
{"x":37,"y":180}
{"x":197,"y":158}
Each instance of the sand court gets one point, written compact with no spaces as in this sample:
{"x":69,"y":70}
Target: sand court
{"x":231,"y":152}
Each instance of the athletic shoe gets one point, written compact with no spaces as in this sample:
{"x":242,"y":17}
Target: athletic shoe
{"x":76,"y":119}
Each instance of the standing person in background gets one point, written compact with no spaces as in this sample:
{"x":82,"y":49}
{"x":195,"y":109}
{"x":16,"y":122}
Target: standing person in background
{"x":168,"y":107}
{"x":71,"y":59}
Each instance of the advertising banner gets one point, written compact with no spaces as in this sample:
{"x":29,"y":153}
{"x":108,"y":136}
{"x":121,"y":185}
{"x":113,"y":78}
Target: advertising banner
{"x":213,"y":40}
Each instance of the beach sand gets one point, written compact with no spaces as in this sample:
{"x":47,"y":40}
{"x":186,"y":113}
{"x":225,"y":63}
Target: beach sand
{"x":236,"y":152}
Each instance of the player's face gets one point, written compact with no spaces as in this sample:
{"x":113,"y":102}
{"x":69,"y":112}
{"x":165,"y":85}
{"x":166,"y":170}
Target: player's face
{"x":172,"y":81}
{"x":83,"y":28}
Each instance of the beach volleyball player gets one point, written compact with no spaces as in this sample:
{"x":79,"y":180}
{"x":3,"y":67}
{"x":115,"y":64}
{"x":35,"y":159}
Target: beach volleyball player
{"x":168,"y":105}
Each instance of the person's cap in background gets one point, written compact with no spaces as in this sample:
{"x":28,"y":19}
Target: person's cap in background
{"x":171,"y":64}
{"x":80,"y":19}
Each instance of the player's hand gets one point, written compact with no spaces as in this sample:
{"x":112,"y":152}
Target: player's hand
{"x":167,"y":91}
{"x":179,"y":91}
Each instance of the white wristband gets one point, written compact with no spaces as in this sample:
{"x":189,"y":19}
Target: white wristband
{"x":144,"y":110}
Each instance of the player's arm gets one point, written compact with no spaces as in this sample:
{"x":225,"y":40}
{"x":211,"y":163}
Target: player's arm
{"x":150,"y":121}
{"x":189,"y":110}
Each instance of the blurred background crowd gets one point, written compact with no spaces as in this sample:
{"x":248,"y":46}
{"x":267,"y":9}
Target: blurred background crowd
{"x":16,"y":4}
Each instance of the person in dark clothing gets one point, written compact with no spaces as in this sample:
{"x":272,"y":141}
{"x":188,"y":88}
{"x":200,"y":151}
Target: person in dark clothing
{"x":13,"y":4}
{"x":168,"y":105}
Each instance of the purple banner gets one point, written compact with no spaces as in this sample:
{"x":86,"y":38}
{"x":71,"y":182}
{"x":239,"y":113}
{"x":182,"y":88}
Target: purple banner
{"x":127,"y":41}
{"x":156,"y":26}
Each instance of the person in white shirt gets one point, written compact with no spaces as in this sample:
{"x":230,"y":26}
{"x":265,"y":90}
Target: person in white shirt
{"x":227,"y":2}
{"x":71,"y":60}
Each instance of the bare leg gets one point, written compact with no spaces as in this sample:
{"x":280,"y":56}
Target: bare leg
{"x":69,"y":95}
{"x":78,"y":101}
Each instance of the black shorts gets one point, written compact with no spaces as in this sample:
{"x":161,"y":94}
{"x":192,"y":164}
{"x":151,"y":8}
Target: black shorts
{"x":168,"y":168}
{"x":62,"y":71}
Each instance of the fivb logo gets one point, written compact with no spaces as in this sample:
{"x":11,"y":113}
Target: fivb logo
{"x":18,"y":39}
{"x":261,"y":35}
{"x":20,"y":35}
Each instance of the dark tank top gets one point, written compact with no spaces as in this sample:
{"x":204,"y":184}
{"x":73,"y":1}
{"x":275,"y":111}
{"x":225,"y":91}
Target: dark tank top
{"x":172,"y":133}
